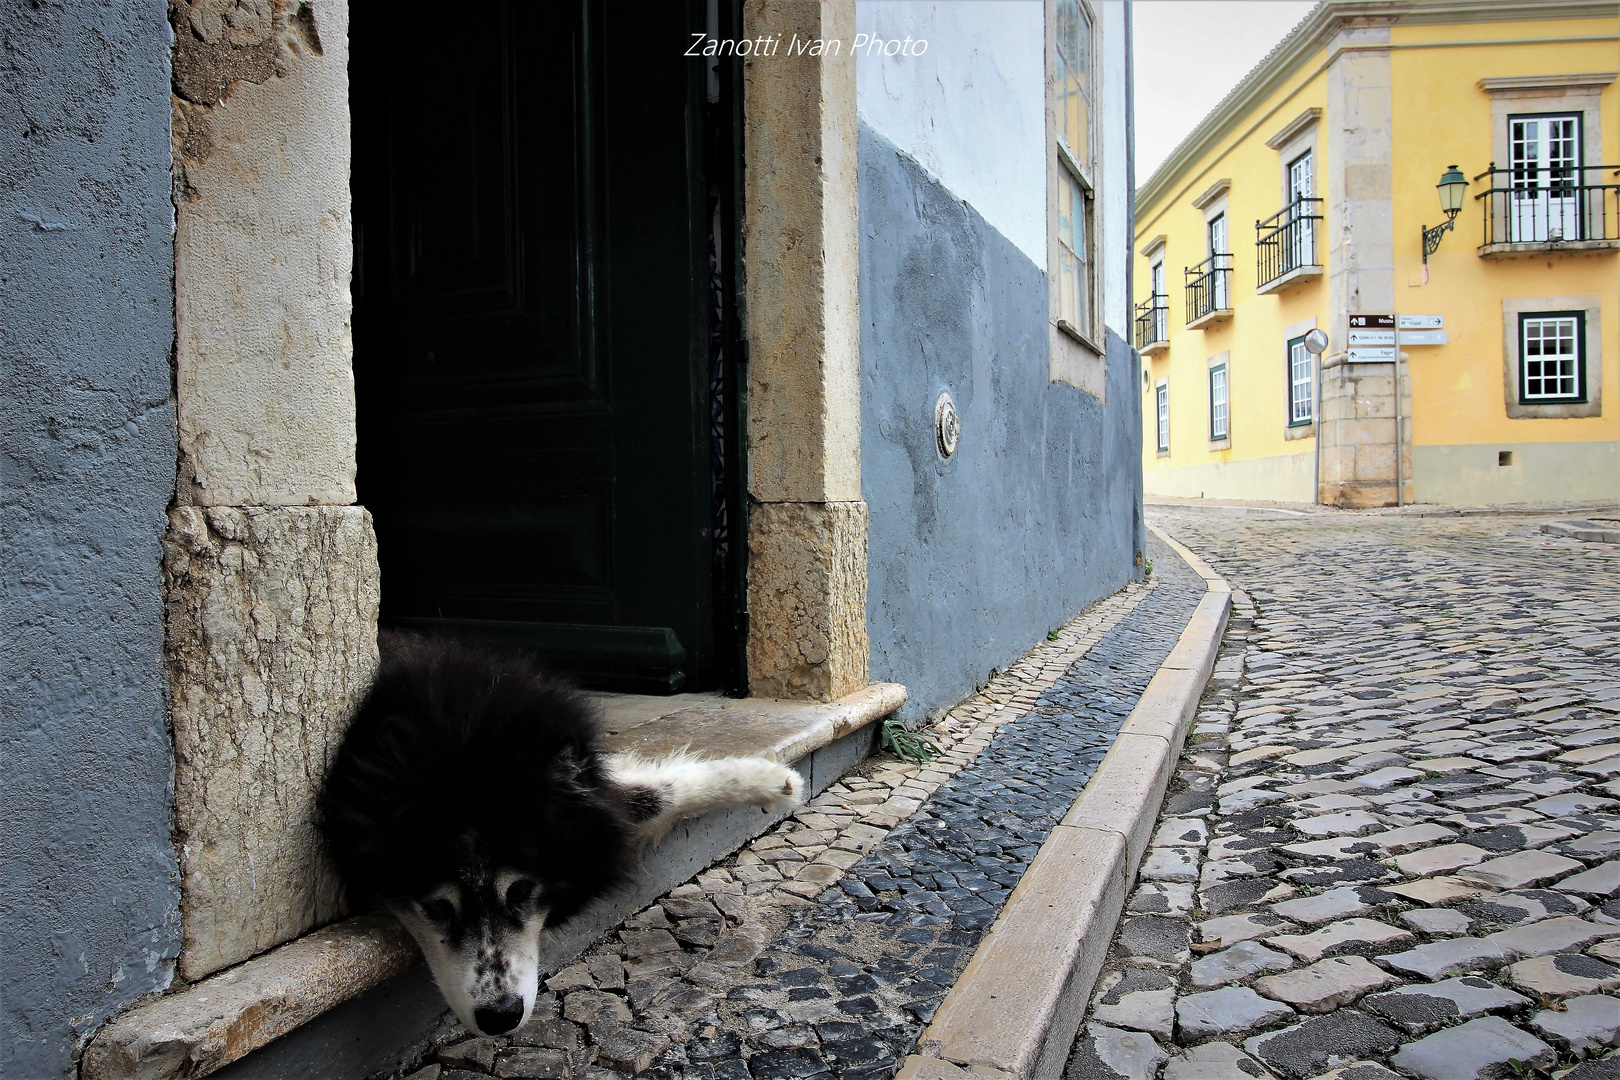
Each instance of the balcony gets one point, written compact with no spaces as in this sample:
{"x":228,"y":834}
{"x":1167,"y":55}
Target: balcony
{"x":1209,"y":291}
{"x":1529,"y":210}
{"x":1153,"y":324}
{"x":1285,"y":246}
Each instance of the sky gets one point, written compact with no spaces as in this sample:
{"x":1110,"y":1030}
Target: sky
{"x":1188,"y":54}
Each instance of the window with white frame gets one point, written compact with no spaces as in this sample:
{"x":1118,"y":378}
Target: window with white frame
{"x":1551,"y":364}
{"x":1162,"y":404}
{"x":1301,"y":376}
{"x":1161,"y":310}
{"x":1074,"y":102}
{"x":1218,"y":407}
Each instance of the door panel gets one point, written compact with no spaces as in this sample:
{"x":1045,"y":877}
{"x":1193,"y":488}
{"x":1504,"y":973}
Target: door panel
{"x":530,"y":330}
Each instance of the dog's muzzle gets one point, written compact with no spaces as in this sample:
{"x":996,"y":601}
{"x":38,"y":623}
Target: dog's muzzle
{"x":501,"y":1017}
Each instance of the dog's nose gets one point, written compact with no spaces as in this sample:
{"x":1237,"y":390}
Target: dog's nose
{"x":501,"y":1017}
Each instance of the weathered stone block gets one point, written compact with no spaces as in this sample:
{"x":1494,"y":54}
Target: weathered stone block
{"x":807,"y":600}
{"x":272,"y":635}
{"x":263,"y":253}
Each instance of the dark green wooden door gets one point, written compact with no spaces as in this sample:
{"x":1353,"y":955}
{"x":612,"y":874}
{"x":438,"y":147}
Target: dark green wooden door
{"x":531,"y":359}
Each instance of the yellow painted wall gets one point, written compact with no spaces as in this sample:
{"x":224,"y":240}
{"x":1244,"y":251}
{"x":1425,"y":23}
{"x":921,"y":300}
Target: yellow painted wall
{"x":1458,"y":399}
{"x":1457,"y":389}
{"x":1262,"y":462}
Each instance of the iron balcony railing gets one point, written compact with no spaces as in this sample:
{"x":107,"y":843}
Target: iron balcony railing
{"x":1531,"y":204}
{"x":1152,"y":321}
{"x":1209,"y":286}
{"x":1286,"y":240}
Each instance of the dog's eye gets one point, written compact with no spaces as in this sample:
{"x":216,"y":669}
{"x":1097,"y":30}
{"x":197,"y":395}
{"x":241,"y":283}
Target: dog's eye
{"x":518,"y":893}
{"x":438,"y":909}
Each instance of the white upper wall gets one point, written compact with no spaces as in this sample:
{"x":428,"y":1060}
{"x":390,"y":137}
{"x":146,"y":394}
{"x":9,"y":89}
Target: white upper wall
{"x":972,"y":108}
{"x":972,"y":111}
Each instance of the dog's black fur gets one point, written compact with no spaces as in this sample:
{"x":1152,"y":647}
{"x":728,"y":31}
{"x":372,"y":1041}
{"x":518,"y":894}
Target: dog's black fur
{"x":459,"y":758}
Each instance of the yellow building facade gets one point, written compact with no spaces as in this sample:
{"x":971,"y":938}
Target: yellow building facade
{"x":1307,"y":199}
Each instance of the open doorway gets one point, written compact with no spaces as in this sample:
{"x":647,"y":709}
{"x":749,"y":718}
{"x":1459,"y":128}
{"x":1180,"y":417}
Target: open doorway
{"x":544,"y":206}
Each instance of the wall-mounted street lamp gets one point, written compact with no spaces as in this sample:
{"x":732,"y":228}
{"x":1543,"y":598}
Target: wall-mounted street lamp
{"x":1451,"y":185}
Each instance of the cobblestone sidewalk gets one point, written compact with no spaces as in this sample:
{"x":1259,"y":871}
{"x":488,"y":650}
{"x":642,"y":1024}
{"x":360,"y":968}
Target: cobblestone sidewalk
{"x":759,"y":968}
{"x":1391,"y":847}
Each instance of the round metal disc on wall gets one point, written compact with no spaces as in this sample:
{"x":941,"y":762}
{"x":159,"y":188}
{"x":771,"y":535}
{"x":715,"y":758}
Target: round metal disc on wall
{"x":947,"y":425}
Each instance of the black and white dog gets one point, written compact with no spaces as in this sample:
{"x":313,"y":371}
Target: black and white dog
{"x":470,"y":799}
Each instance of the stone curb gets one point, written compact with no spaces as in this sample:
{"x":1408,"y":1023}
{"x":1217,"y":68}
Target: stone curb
{"x":1015,"y":1010}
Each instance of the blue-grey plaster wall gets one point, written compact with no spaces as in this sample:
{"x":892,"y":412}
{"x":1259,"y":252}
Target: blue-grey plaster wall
{"x":971,"y":561}
{"x":89,"y":894}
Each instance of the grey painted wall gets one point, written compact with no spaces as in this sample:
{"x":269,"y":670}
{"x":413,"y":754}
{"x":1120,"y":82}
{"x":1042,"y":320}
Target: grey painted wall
{"x":972,"y":560}
{"x":89,"y":897}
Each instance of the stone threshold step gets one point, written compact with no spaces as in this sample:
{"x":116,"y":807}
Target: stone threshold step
{"x":283,"y":994}
{"x":1019,"y":1002}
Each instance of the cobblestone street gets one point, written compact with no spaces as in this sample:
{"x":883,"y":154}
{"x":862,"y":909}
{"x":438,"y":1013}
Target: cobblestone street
{"x":824,"y":947}
{"x":1391,"y":847}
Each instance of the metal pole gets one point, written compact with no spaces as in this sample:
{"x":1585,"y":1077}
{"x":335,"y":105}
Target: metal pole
{"x":1316,"y":417}
{"x":1400,"y":441}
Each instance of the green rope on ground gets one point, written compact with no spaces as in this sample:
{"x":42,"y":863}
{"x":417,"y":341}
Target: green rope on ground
{"x":907,"y":745}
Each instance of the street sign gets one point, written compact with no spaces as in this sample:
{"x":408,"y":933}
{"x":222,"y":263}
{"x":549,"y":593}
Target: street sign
{"x":1422,"y":337}
{"x":1372,"y":355}
{"x":1372,"y":322}
{"x":1372,"y":337}
{"x":1421,"y":322}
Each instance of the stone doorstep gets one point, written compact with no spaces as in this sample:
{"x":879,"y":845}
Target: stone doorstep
{"x":1016,"y":1007}
{"x":224,"y":1017}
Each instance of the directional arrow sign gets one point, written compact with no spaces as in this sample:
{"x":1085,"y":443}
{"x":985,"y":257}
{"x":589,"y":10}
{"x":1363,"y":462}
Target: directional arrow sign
{"x":1372,"y":337}
{"x":1372,"y":356}
{"x":1421,"y":322}
{"x":1422,"y":337}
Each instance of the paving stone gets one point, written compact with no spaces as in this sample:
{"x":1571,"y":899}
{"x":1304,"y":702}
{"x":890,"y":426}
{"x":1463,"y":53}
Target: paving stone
{"x":1156,"y":937}
{"x":1218,"y":899}
{"x":1564,"y":975}
{"x":1586,"y":1023}
{"x":1232,"y":1010}
{"x":526,"y":1062}
{"x":1423,"y":1006}
{"x":1562,"y":934}
{"x":1237,"y":962}
{"x":468,"y":1054}
{"x":1170,"y":864}
{"x":1595,"y":845}
{"x":1383,"y":778}
{"x":1360,"y":1070}
{"x":1412,"y":836}
{"x":1438,"y":890}
{"x":1520,"y":869}
{"x":1325,"y":985}
{"x":1231,"y":929}
{"x":1344,"y":823}
{"x":1436,"y":920}
{"x":1215,"y":1061}
{"x":1349,"y":935}
{"x":1320,"y":1042}
{"x":1601,"y":880}
{"x":1105,"y":1053}
{"x":1332,"y":904}
{"x":1572,"y":803}
{"x":1480,"y":1048}
{"x":1439,"y":860}
{"x":1161,"y":898}
{"x":1181,"y":832}
{"x":1138,"y":1000}
{"x":1437,"y":959}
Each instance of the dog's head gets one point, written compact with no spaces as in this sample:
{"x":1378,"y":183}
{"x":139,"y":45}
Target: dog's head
{"x":468,"y":799}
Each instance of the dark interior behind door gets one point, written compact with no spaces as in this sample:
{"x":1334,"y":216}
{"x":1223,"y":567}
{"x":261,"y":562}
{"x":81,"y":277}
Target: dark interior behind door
{"x":531,"y":356}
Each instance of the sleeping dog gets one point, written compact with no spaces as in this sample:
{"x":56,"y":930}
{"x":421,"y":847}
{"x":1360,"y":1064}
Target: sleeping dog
{"x":470,"y":799}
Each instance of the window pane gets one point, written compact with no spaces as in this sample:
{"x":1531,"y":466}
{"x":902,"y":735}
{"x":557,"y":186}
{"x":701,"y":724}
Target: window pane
{"x":1074,"y":269}
{"x":1074,"y":79}
{"x":1549,"y":358}
{"x":1163,"y":409}
{"x":1217,"y":402}
{"x":1300,"y":372}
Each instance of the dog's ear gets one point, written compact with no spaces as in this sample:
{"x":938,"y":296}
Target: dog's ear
{"x":572,"y":770}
